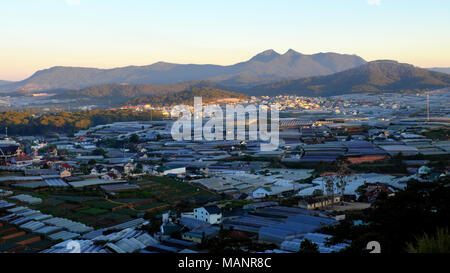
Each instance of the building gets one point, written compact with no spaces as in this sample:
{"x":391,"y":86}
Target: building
{"x":65,"y":173}
{"x":193,"y":237}
{"x":128,"y":168}
{"x":21,"y":161}
{"x":209,"y":214}
{"x":175,"y":171}
{"x":99,"y":170}
{"x":319,"y":202}
{"x":9,"y":150}
{"x":261,"y":192}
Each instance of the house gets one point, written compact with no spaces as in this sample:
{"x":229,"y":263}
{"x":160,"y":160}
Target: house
{"x":112,"y":173}
{"x":128,"y":168}
{"x":261,"y":192}
{"x":23,"y":160}
{"x":65,"y":173}
{"x":423,"y":171}
{"x":197,"y":172}
{"x":169,"y":228}
{"x":67,"y":166}
{"x":99,"y":170}
{"x":197,"y":235}
{"x":209,"y":214}
{"x":193,"y":237}
{"x":9,"y":150}
{"x":115,"y":172}
{"x":375,"y":189}
{"x":319,"y":202}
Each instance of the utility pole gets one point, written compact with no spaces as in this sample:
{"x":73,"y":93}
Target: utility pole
{"x":428,"y":107}
{"x":6,"y":131}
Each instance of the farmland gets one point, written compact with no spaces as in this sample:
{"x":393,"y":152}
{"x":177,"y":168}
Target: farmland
{"x":97,"y":209}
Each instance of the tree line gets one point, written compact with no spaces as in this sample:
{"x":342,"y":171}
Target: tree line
{"x":29,"y":123}
{"x":187,"y":97}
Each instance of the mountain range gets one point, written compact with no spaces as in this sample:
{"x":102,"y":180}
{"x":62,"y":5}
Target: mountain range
{"x":377,"y":76}
{"x":268,"y":73}
{"x":266,"y":67}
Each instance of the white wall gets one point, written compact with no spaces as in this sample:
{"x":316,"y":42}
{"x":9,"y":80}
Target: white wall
{"x":203,"y":215}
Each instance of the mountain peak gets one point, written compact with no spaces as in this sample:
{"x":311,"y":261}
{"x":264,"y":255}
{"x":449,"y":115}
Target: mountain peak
{"x":388,"y":64}
{"x":291,"y":52}
{"x":269,"y":52}
{"x":162,"y":66}
{"x":266,"y":56}
{"x":384,"y":62}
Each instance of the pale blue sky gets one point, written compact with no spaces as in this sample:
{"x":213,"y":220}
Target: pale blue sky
{"x":37,"y":34}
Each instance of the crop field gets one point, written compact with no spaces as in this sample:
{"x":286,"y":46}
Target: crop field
{"x":93,"y":211}
{"x":97,"y":210}
{"x":169,"y":190}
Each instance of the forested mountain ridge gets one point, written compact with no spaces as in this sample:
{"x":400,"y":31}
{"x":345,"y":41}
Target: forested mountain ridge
{"x":187,"y":97}
{"x":377,"y":76}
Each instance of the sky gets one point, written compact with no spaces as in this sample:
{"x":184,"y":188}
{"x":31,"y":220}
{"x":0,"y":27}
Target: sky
{"x":38,"y":34}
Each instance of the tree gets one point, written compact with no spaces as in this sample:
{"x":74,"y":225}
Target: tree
{"x":99,"y":152}
{"x":308,"y":247}
{"x":342,"y":182}
{"x":134,"y":139}
{"x":329,"y":184}
{"x":21,"y":123}
{"x":317,"y":192}
{"x":154,"y":226}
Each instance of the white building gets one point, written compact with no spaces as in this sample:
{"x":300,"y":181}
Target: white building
{"x":261,"y":192}
{"x":176,"y":171}
{"x":128,"y":168}
{"x":209,"y":214}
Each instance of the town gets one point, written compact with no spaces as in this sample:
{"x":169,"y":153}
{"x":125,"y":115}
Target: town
{"x":129,"y":187}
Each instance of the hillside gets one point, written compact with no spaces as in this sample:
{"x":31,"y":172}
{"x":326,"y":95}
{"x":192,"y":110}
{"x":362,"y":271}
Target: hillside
{"x":120,"y":91}
{"x":378,"y":76}
{"x":187,"y":97}
{"x":268,"y":66}
{"x":4,"y":82}
{"x":118,"y":94}
{"x":441,"y":69}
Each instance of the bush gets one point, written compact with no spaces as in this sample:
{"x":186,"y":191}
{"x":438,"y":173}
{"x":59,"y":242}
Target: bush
{"x":440,"y":243}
